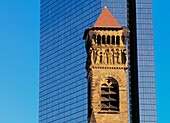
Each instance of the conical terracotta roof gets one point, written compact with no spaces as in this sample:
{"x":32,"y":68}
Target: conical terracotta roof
{"x":106,"y":19}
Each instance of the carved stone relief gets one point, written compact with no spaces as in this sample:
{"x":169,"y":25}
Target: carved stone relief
{"x":108,"y":56}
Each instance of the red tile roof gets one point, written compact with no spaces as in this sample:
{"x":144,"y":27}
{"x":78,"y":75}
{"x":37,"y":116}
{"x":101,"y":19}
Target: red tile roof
{"x":106,"y":19}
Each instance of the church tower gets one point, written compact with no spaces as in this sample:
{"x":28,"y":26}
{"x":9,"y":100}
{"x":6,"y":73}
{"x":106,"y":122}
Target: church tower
{"x":106,"y":67}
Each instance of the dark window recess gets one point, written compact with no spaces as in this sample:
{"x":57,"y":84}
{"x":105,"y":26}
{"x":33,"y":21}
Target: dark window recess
{"x":117,"y":40}
{"x":108,"y":39}
{"x":110,"y":96}
{"x":98,"y":39}
{"x":113,"y":40}
{"x":103,"y":39}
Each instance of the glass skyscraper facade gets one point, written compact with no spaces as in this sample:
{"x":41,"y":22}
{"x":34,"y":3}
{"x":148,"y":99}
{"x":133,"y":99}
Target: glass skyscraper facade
{"x":146,"y":69}
{"x":63,"y":95}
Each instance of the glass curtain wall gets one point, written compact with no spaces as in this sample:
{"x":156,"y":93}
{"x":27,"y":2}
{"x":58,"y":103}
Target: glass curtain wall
{"x":63,"y":86}
{"x":146,"y":68}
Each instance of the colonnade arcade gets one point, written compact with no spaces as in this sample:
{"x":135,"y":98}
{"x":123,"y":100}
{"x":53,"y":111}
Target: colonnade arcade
{"x":112,"y":39}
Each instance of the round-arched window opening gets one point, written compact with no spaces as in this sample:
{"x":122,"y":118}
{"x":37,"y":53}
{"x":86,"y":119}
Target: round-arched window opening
{"x":110,"y":95}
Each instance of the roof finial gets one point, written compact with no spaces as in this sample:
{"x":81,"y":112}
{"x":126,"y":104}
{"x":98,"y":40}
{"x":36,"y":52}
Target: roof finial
{"x":105,"y":6}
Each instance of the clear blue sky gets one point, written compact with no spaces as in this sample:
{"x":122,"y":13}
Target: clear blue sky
{"x":19,"y":60}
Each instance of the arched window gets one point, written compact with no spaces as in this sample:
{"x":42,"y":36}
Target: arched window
{"x":98,"y":39}
{"x":103,"y":39}
{"x":108,"y":39}
{"x":113,"y":40}
{"x":117,"y":40}
{"x":110,"y":96}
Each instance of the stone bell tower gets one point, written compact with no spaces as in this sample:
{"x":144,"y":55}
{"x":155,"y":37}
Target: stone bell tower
{"x":107,"y":70}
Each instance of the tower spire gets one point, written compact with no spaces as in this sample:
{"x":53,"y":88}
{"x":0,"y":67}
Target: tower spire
{"x":106,"y":67}
{"x":106,"y":19}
